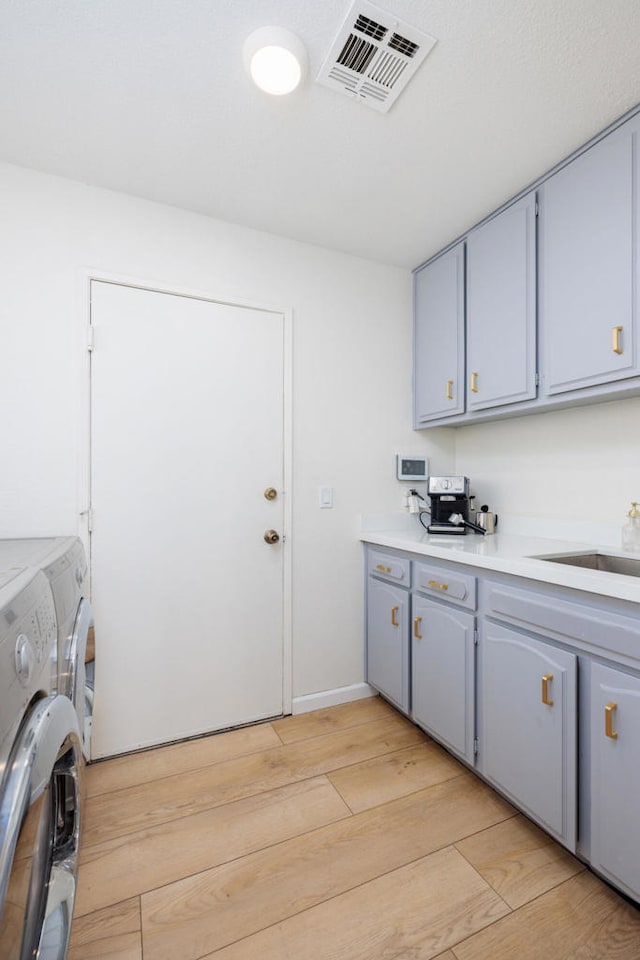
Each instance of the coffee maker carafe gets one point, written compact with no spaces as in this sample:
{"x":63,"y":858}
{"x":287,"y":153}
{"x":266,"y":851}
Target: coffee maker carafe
{"x":449,"y":497}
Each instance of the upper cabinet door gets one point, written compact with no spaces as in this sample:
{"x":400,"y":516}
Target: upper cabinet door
{"x":588,"y":217}
{"x":501,"y":308}
{"x":438,"y":377}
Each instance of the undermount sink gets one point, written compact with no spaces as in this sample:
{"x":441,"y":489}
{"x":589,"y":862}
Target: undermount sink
{"x":599,"y":561}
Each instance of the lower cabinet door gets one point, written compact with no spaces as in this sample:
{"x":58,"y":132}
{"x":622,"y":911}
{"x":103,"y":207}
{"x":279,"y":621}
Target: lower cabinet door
{"x":388,"y":641}
{"x":442,"y":655}
{"x":615,"y":776}
{"x":528,"y":739}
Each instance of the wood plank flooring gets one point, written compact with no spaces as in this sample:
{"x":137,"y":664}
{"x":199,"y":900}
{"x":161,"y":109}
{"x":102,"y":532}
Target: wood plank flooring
{"x":344,"y":834}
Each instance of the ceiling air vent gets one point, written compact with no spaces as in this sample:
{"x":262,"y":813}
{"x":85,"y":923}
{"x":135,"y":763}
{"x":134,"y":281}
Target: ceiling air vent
{"x":374,"y":56}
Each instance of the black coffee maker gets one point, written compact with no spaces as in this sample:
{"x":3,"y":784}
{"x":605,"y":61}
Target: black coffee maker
{"x":449,"y":498}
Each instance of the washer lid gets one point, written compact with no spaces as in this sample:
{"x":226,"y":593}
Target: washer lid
{"x":32,"y":551}
{"x":6,"y":576}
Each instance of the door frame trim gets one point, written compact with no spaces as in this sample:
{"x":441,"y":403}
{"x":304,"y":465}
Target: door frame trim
{"x":85,"y":278}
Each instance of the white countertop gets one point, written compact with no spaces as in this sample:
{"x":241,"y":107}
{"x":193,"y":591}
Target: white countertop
{"x":508,"y":553}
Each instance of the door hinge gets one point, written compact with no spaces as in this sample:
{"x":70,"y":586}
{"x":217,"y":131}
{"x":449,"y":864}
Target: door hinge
{"x":88,"y":514}
{"x":537,"y":208}
{"x":90,"y":339}
{"x":537,"y":379}
{"x":475,"y":636}
{"x":475,"y":746}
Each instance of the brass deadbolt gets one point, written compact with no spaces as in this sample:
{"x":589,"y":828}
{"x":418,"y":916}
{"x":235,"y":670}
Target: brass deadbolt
{"x":270,"y":493}
{"x":271,"y":536}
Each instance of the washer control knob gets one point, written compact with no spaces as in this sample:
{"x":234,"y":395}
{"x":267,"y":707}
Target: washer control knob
{"x":25,"y":659}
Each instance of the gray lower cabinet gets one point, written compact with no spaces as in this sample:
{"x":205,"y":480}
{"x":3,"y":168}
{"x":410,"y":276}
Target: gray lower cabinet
{"x":388,"y":641}
{"x":615,"y":776}
{"x":528,"y":732}
{"x":443,"y":673}
{"x":504,"y":697}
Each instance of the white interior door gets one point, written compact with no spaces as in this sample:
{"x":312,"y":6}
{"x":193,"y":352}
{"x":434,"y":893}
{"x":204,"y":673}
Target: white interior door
{"x":187,"y":433}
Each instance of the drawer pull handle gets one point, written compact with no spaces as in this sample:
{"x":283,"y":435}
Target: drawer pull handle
{"x":617,"y":344}
{"x":609,"y":711}
{"x":394,"y":622}
{"x":381,"y":566}
{"x":416,"y":628}
{"x":474,"y":383}
{"x":438,"y":586}
{"x":449,"y":389}
{"x":546,"y":680}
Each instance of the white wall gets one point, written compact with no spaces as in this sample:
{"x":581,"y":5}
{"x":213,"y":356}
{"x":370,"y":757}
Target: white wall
{"x":578,"y":469}
{"x":352,"y":384}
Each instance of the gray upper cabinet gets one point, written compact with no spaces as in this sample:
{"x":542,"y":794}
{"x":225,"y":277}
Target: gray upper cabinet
{"x":438,"y":376}
{"x":537,"y":307}
{"x":501,"y":308}
{"x":588,"y":222}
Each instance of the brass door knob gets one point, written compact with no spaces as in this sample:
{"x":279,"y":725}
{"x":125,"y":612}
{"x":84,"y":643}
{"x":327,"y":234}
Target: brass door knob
{"x":270,"y":493}
{"x":271,"y":536}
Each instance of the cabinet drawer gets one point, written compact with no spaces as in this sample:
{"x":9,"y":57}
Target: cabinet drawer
{"x":391,"y":568}
{"x":439,"y":582}
{"x":595,"y":629}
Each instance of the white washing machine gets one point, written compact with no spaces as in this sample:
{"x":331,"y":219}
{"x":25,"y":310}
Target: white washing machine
{"x":40,"y":775}
{"x":63,"y":561}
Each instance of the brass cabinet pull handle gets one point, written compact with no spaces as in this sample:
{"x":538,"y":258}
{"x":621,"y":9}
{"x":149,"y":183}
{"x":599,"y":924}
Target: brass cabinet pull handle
{"x":416,"y":628}
{"x":381,"y":566}
{"x":617,"y":344}
{"x":474,"y":383}
{"x":609,"y":711}
{"x":449,"y":389}
{"x":438,"y":586}
{"x":394,"y":622}
{"x":546,"y":680}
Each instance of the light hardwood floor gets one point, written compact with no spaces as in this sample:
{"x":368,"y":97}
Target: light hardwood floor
{"x":344,"y":834}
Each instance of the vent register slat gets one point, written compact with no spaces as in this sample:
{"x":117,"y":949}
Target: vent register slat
{"x":370,"y":27}
{"x":387,"y":70}
{"x":357,"y":54}
{"x":402,"y":45}
{"x":372,"y":61}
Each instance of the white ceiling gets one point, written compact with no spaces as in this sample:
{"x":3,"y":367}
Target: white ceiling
{"x":150,"y":97}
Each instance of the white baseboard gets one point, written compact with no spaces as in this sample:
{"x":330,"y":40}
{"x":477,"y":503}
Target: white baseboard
{"x":330,"y":698}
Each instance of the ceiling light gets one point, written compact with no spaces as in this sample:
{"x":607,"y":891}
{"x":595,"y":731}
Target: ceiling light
{"x":275,"y":59}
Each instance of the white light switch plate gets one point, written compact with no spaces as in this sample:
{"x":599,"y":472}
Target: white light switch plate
{"x":325,"y":497}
